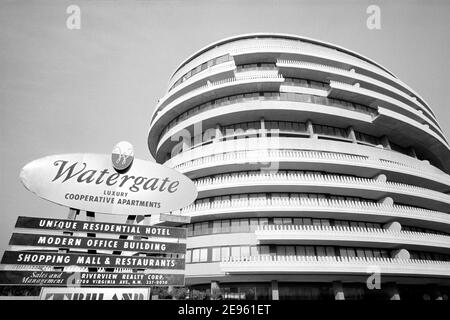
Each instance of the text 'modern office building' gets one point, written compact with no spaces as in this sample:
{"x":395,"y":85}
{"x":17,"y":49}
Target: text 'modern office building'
{"x":318,"y":172}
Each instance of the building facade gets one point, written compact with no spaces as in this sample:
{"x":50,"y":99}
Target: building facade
{"x":320,"y":174}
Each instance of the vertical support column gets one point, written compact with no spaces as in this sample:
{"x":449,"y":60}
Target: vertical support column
{"x":90,"y":216}
{"x":219,"y":133}
{"x":412,"y":152}
{"x":351,"y":134}
{"x":310,"y":129}
{"x":263,"y":131}
{"x":130,"y":220}
{"x":275,"y":292}
{"x":72,"y":215}
{"x":392,"y":291}
{"x":338,"y":290}
{"x":215,"y":289}
{"x":385,"y":143}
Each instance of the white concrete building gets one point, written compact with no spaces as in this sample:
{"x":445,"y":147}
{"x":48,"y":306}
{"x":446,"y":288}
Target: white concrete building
{"x":318,"y":171}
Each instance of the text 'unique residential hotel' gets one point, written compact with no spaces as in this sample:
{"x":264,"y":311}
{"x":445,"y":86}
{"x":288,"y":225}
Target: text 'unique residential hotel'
{"x":320,"y":174}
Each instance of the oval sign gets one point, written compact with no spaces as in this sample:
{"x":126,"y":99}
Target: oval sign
{"x":122,"y":155}
{"x":89,"y":182}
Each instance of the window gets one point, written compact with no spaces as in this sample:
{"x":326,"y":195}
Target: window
{"x":300,"y":250}
{"x":195,"y":255}
{"x":225,"y":225}
{"x":190,"y":230}
{"x":234,"y":225}
{"x":215,"y":254}
{"x":351,"y":252}
{"x":360,"y":253}
{"x":245,"y":251}
{"x":281,"y":250}
{"x":203,"y":255}
{"x":377,"y":253}
{"x":277,"y":220}
{"x":225,"y":252}
{"x":217,"y":226}
{"x":290,"y":250}
{"x":235,"y":251}
{"x":368,"y":253}
{"x":330,"y":252}
{"x":310,"y":251}
{"x":253,"y":224}
{"x":188,"y":256}
{"x":320,"y":251}
{"x":244,"y":225}
{"x":264,"y":250}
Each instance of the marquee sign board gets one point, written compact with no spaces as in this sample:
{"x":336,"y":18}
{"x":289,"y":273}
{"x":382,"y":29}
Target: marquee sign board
{"x":89,"y":279}
{"x":89,"y":182}
{"x":99,"y":227}
{"x":58,"y":241}
{"x":90,"y":260}
{"x":94,"y":294}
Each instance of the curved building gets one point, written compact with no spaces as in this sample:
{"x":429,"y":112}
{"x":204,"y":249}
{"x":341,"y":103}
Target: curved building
{"x":320,"y":174}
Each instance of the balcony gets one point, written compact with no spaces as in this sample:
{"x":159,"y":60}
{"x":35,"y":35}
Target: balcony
{"x":334,"y":265}
{"x":261,"y":81}
{"x":357,"y":94}
{"x":353,"y":236}
{"x":290,"y":50}
{"x":402,"y":167}
{"x":322,"y":183}
{"x":322,"y":72}
{"x":224,"y":70}
{"x":320,"y":208}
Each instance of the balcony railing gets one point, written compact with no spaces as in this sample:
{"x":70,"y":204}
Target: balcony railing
{"x":329,"y":264}
{"x":326,"y":180}
{"x":419,"y":115}
{"x":358,"y":77}
{"x":412,"y":167}
{"x":294,"y":233}
{"x":314,"y":205}
{"x":216,"y":69}
{"x":263,"y":76}
{"x":283,"y":96}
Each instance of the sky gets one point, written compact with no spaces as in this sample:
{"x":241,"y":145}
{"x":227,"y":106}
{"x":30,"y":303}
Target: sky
{"x":76,"y":91}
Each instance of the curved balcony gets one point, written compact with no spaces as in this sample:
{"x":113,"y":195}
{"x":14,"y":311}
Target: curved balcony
{"x":210,"y":89}
{"x":318,"y":54}
{"x":338,"y":265}
{"x":248,"y":109}
{"x":264,"y":81}
{"x":223,"y":70}
{"x":360,"y":159}
{"x":334,"y":184}
{"x":353,"y":236}
{"x":321,"y":72}
{"x":320,"y":208}
{"x":357,"y":94}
